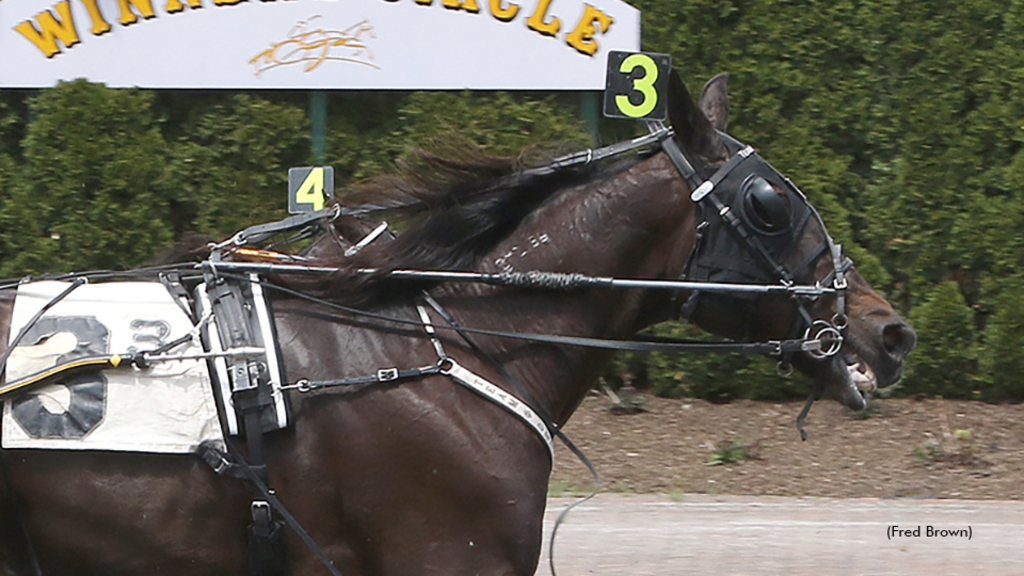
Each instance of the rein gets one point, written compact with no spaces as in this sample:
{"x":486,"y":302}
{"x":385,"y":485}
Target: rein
{"x":530,"y":279}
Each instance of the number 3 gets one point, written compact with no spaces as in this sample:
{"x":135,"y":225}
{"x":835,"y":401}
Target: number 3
{"x":644,"y":85}
{"x":88,"y":391}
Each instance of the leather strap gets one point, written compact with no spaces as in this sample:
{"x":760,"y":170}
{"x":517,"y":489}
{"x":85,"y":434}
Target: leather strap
{"x":507,"y":401}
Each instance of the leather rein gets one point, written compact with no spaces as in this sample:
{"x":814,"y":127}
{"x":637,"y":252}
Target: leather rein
{"x":819,"y":339}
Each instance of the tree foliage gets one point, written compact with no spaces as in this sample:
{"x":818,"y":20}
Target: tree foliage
{"x":903,"y":123}
{"x":945,"y":361}
{"x":230,"y":165}
{"x":91,"y":192}
{"x":1002,"y":362}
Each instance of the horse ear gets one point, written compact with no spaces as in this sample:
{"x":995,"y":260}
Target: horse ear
{"x":714,"y":101}
{"x":694,"y":132}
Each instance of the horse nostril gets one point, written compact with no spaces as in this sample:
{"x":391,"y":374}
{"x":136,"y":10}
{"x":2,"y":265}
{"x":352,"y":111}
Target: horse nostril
{"x":898,"y":338}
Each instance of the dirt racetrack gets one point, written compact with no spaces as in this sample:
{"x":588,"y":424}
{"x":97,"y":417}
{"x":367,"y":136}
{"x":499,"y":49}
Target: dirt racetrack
{"x":786,"y":507}
{"x":905,"y":449}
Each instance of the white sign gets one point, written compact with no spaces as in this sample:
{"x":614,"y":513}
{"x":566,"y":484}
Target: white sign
{"x":312,"y":44}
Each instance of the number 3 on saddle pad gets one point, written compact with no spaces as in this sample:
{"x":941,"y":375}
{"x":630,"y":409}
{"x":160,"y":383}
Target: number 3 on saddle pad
{"x":636,"y":85}
{"x":167,"y":407}
{"x":87,"y":392}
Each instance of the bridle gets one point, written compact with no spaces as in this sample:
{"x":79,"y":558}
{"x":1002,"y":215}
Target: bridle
{"x":750,"y":216}
{"x":733,"y":261}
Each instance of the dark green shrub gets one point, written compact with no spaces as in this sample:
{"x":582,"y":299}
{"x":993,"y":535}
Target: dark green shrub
{"x":231,"y":165}
{"x":1002,"y":356}
{"x":90,"y":193}
{"x":945,"y":360}
{"x":718,"y":377}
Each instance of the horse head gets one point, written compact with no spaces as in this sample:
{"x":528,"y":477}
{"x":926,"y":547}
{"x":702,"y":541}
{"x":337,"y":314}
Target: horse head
{"x":760,"y":228}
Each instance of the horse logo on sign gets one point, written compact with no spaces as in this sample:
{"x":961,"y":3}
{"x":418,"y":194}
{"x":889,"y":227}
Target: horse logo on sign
{"x":312,"y":46}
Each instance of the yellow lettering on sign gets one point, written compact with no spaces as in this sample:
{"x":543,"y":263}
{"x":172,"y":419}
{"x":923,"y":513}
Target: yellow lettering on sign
{"x":226,"y":2}
{"x":424,"y":2}
{"x":145,"y":8}
{"x":176,"y":5}
{"x":467,"y":5}
{"x":99,"y":25}
{"x":503,"y":14}
{"x":582,"y":38}
{"x":536,"y":20}
{"x":51,"y":29}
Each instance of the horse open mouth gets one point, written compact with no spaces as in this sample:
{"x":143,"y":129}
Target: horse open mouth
{"x":851,"y":380}
{"x":857,"y":374}
{"x":861,"y":376}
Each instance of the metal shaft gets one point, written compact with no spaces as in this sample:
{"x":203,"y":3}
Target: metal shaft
{"x":534,"y":279}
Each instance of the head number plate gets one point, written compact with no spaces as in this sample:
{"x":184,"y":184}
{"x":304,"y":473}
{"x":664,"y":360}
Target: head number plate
{"x":309,"y":187}
{"x":636,"y":85}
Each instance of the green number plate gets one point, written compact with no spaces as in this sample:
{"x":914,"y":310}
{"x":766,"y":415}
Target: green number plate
{"x":636,"y":85}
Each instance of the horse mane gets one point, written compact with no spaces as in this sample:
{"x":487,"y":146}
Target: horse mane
{"x":452,"y":211}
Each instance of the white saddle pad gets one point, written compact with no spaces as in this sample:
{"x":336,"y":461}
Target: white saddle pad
{"x":168,"y":407}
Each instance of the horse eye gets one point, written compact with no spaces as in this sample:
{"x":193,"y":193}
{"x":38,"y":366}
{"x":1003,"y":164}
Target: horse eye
{"x":766,"y":209}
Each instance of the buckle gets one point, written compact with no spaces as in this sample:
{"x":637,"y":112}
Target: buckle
{"x":260,"y":512}
{"x":387,"y":374}
{"x":215,"y":459}
{"x":703,"y":190}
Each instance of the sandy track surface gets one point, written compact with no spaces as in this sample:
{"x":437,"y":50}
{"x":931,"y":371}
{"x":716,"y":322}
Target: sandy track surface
{"x":904,"y":449}
{"x":647,"y":535}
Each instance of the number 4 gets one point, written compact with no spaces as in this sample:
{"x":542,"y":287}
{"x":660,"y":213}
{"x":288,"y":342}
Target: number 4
{"x":311,"y":191}
{"x":309,"y":188}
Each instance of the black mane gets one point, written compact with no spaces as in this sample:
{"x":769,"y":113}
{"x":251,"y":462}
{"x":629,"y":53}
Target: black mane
{"x":460,"y":209}
{"x":453,"y":211}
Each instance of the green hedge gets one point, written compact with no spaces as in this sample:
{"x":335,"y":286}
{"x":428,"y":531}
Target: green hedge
{"x":904,"y":124}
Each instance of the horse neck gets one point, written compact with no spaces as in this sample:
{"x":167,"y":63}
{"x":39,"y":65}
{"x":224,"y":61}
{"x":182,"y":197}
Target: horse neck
{"x":637,"y":223}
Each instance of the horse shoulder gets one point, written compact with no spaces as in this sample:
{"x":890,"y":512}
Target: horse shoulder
{"x":379,"y":462}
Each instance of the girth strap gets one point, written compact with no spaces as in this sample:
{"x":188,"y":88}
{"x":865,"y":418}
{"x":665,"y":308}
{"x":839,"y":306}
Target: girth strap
{"x":247,"y":472}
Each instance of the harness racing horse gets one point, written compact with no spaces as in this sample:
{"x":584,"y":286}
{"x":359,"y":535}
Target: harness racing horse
{"x":424,"y":476}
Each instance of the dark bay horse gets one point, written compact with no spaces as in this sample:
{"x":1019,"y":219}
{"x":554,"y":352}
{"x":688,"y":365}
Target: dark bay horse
{"x":426,"y":477}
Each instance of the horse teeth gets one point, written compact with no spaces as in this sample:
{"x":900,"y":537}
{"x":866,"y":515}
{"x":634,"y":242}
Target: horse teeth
{"x":862,"y":376}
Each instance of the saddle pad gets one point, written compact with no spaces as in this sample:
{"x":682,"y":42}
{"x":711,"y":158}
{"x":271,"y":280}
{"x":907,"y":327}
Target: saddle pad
{"x":167,"y":407}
